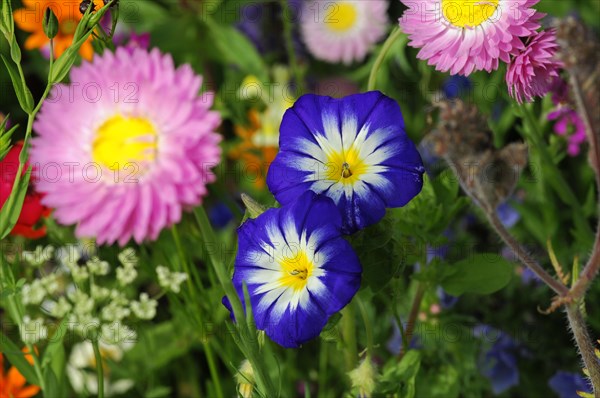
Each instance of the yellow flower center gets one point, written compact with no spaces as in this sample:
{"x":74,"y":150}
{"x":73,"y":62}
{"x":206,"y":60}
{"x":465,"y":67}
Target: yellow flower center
{"x":342,"y":16}
{"x":295,"y":271}
{"x":125,"y":140}
{"x":468,"y":13}
{"x":345,"y":167}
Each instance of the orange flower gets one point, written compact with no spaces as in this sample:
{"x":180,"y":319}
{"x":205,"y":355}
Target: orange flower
{"x":256,"y":156}
{"x":12,"y":383}
{"x":30,"y":19}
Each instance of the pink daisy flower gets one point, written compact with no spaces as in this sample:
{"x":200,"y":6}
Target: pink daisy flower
{"x":343,"y":31}
{"x":127,"y":146}
{"x":463,"y":36}
{"x":532,"y":72}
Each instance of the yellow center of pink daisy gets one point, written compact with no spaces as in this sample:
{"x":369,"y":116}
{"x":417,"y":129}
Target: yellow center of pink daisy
{"x":468,"y":13}
{"x":342,"y":16}
{"x":125,"y":140}
{"x":345,"y":167}
{"x":295,"y":271}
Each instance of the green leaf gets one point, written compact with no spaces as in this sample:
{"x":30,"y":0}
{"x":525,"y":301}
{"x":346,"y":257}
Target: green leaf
{"x":5,"y":138}
{"x":17,"y":358}
{"x":23,"y":94}
{"x":9,"y":214}
{"x":399,"y":378}
{"x":481,"y":274}
{"x":237,"y":50}
{"x":7,"y":26}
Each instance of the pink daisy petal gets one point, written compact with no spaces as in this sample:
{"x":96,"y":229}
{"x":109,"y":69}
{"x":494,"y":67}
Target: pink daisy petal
{"x":488,"y":31}
{"x":165,"y":154}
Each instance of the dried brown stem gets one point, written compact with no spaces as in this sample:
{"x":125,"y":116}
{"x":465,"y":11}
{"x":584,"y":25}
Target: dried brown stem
{"x":524,"y":257}
{"x":412,"y":317}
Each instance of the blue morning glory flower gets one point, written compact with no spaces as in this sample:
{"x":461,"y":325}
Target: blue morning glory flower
{"x":298,"y":268}
{"x":567,"y":384}
{"x":353,"y":150}
{"x":499,"y":363}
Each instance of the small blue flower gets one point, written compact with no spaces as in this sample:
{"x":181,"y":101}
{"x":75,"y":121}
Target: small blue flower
{"x":298,"y":268}
{"x":456,"y":86}
{"x":353,"y":150}
{"x":446,"y":300}
{"x":220,"y":215}
{"x":567,"y":384}
{"x":508,"y":215}
{"x":499,"y":363}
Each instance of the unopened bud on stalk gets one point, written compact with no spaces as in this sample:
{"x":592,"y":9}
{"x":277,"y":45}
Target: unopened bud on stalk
{"x":50,"y":23}
{"x":245,"y":379}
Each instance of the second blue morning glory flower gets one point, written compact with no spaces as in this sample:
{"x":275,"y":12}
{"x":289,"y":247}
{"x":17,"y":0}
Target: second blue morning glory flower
{"x":354,"y":150}
{"x":298,"y":268}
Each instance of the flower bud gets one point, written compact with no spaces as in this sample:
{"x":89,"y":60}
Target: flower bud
{"x":50,"y":23}
{"x":254,"y":208}
{"x":363,"y":378}
{"x":245,"y":379}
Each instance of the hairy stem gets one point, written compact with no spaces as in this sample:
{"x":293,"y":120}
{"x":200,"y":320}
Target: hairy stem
{"x":585,"y":345}
{"x":524,"y":257}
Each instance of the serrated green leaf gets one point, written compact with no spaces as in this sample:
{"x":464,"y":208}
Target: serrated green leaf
{"x":23,"y":94}
{"x":480,"y":274}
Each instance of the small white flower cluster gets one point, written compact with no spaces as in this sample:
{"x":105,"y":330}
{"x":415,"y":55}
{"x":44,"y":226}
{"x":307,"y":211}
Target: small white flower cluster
{"x":39,"y":256}
{"x":89,"y":308}
{"x":35,"y":292}
{"x":127,"y":272}
{"x":33,"y":330}
{"x":170,"y":281}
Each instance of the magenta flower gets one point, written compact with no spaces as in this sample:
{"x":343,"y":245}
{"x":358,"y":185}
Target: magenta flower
{"x":126,"y":147}
{"x":532,"y":72}
{"x":463,"y":36}
{"x":569,"y":125}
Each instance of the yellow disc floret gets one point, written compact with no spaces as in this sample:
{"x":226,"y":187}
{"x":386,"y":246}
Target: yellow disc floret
{"x":345,"y":167}
{"x":341,"y":16}
{"x":295,"y":271}
{"x":468,"y":13}
{"x":123,"y":140}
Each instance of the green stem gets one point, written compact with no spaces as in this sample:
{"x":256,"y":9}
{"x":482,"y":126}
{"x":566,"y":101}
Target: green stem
{"x":248,"y":345}
{"x":99,"y":368}
{"x":559,"y":184}
{"x":396,"y":33}
{"x":322,"y":370}
{"x":349,"y":336}
{"x":16,"y":312}
{"x":289,"y":44}
{"x":368,"y":326}
{"x":214,"y":373}
{"x":182,"y":258}
{"x":207,"y":349}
